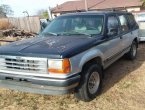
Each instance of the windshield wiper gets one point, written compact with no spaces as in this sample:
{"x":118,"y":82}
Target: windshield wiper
{"x":83,"y":34}
{"x":50,"y":33}
{"x":76,"y":33}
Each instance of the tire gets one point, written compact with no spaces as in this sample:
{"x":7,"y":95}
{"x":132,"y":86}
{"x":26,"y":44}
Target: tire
{"x":91,"y":82}
{"x":131,"y":55}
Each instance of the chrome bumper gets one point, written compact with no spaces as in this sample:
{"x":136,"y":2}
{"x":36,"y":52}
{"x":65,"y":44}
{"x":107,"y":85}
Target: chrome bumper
{"x":39,"y":85}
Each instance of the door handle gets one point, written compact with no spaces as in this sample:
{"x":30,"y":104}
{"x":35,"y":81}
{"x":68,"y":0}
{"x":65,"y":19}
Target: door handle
{"x":121,"y":37}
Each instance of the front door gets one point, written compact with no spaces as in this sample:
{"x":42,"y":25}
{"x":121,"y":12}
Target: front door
{"x":113,"y":40}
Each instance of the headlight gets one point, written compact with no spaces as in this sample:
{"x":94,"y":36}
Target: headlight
{"x":59,"y":66}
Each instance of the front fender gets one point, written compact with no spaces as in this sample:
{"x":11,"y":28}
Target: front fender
{"x":89,"y":56}
{"x":79,"y":60}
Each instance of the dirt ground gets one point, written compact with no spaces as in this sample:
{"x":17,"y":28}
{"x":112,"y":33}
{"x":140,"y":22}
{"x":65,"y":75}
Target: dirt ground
{"x":123,"y":89}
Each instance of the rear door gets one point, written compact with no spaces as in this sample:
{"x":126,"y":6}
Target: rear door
{"x":125,"y":31}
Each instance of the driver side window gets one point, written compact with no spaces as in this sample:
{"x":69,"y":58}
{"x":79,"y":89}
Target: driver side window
{"x":112,"y":26}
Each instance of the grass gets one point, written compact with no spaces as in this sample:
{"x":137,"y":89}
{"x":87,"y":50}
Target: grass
{"x":123,"y":89}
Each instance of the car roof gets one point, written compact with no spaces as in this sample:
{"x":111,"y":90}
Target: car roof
{"x":96,"y":13}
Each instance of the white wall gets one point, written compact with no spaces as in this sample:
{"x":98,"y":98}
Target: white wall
{"x":133,"y":9}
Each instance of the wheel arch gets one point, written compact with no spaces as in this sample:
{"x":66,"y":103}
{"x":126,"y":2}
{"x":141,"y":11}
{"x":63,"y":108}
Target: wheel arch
{"x":136,"y":40}
{"x":97,"y":60}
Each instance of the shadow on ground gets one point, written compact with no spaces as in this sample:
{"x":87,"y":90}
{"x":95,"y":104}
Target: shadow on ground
{"x":122,"y":68}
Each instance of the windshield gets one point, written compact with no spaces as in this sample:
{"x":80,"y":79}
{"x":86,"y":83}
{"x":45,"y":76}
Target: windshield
{"x":78,"y":24}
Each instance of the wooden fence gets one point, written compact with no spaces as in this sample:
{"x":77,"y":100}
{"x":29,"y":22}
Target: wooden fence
{"x":30,"y":24}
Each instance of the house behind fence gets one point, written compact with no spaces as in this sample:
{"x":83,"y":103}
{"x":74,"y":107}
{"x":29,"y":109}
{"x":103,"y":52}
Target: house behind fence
{"x":29,"y":24}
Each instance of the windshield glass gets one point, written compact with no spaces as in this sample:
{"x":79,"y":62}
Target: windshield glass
{"x":78,"y":24}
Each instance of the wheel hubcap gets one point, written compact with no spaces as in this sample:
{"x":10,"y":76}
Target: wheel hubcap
{"x":93,"y":82}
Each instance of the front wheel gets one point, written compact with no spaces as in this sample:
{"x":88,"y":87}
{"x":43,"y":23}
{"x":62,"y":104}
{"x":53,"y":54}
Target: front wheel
{"x":133,"y":51}
{"x":90,"y":84}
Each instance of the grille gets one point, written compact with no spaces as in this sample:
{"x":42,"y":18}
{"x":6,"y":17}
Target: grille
{"x":24,"y":64}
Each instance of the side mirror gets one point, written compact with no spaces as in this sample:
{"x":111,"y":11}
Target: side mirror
{"x":112,"y":31}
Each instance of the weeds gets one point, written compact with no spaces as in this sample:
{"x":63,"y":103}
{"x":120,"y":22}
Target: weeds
{"x":4,"y":24}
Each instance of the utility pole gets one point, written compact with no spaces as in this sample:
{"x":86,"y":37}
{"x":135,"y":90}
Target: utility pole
{"x":28,"y":20}
{"x":86,"y":5}
{"x":49,"y":13}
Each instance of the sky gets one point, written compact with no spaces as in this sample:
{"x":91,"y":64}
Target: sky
{"x":32,"y":6}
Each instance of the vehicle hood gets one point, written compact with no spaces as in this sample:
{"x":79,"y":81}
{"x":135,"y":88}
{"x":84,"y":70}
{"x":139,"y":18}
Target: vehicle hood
{"x":52,"y":46}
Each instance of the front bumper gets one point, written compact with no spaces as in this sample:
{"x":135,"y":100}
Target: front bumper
{"x":39,"y":85}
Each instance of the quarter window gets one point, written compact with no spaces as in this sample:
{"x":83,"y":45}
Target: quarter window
{"x":132,"y":22}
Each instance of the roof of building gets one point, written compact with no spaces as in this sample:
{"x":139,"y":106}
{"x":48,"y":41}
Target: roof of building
{"x":71,"y":6}
{"x":117,"y":4}
{"x":75,"y":5}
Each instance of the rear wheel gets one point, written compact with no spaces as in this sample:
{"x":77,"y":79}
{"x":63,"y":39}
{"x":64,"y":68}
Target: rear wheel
{"x":133,"y":51}
{"x":90,"y":85}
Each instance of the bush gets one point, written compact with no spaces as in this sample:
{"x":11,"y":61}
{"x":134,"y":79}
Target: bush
{"x":4,"y":24}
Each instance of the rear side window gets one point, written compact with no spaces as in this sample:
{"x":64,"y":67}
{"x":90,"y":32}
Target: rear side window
{"x":132,"y":22}
{"x":124,"y":23}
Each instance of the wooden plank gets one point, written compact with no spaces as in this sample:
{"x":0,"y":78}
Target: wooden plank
{"x":6,"y":41}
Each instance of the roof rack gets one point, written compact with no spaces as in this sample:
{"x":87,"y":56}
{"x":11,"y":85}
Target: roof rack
{"x":113,"y":9}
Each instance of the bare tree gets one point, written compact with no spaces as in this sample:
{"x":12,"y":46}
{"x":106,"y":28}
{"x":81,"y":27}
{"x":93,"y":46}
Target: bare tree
{"x":5,"y":10}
